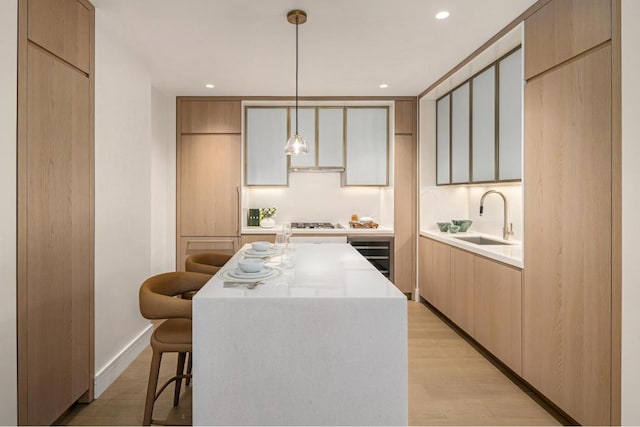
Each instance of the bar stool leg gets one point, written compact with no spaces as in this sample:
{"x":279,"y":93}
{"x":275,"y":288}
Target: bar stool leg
{"x":189,"y":367}
{"x":151,"y":387}
{"x":179,"y":371}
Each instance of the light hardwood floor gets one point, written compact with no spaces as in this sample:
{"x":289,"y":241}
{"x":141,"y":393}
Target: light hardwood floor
{"x":450,"y":383}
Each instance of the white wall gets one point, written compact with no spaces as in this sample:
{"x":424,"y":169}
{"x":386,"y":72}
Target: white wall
{"x":8,"y":104}
{"x":630,"y":209}
{"x":163,"y":182}
{"x":134,"y":180}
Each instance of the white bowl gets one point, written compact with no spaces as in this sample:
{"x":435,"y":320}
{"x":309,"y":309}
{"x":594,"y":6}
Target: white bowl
{"x":251,"y":265}
{"x":366,"y":219}
{"x":261,"y":246}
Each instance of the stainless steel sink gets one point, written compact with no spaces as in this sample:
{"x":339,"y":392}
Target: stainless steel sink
{"x":478,"y":240}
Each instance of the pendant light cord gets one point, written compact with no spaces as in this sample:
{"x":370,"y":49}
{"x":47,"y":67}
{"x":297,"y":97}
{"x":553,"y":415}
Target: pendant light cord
{"x":297,"y":18}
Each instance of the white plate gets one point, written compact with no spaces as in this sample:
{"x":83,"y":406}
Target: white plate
{"x":253,"y":253}
{"x":231,"y":274}
{"x":239,"y":274}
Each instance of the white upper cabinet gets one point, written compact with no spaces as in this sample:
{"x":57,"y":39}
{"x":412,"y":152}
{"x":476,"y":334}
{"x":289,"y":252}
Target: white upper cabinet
{"x":307,"y":129}
{"x":479,"y":126}
{"x":265,"y":138}
{"x":483,"y":126}
{"x":510,"y":126}
{"x":331,"y":137}
{"x":443,"y":140}
{"x":367,"y":160}
{"x":460,"y":134}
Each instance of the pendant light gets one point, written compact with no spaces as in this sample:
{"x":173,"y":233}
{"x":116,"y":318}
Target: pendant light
{"x":296,"y":144}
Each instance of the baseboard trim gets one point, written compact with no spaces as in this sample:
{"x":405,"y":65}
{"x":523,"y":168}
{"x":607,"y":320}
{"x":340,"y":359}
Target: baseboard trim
{"x":116,"y":366}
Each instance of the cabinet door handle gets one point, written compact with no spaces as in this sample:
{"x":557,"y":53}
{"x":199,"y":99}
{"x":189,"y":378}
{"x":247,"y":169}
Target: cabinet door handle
{"x":238,"y":210}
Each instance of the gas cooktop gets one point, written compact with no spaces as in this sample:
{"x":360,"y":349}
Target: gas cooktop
{"x":312,"y":225}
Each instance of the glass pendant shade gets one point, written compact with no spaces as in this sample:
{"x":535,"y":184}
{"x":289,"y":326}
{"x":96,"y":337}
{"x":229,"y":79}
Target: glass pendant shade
{"x":296,"y":145}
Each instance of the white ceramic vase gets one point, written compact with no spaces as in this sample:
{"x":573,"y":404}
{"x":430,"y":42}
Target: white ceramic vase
{"x":267,"y":222}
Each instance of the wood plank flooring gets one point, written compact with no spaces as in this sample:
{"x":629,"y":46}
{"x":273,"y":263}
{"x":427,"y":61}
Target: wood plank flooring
{"x":450,"y":383}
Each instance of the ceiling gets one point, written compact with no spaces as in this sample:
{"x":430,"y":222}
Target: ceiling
{"x":347,"y":47}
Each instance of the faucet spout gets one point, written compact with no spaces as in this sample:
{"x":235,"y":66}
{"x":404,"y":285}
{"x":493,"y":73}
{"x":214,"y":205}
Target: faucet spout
{"x":506,"y":231}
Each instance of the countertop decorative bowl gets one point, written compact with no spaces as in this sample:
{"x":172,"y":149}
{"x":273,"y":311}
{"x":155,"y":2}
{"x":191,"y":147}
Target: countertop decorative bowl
{"x":464,"y":224}
{"x":444,"y":226}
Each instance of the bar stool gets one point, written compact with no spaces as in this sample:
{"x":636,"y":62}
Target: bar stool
{"x":206,"y":262}
{"x":174,"y":334}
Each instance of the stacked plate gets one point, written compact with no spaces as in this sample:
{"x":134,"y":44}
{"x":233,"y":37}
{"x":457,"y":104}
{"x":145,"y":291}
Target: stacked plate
{"x":253,"y":253}
{"x":266,"y":273}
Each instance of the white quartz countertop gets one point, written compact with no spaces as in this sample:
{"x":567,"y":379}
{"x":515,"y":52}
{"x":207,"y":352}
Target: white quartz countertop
{"x":327,"y":270}
{"x":509,"y":254}
{"x":339,"y":231}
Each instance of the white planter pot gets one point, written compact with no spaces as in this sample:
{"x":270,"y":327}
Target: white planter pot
{"x":267,"y":223}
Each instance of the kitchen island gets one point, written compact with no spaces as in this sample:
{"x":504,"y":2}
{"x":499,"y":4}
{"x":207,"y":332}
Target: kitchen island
{"x":324,"y":343}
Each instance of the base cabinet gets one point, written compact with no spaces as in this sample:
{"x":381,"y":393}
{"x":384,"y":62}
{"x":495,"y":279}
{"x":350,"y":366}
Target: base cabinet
{"x":462,"y":290}
{"x":483,"y":297}
{"x":435,"y":274}
{"x":497,"y":310}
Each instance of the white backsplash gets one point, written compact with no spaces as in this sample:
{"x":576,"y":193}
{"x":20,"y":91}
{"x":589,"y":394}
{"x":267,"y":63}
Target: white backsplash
{"x":320,"y":197}
{"x":444,"y":203}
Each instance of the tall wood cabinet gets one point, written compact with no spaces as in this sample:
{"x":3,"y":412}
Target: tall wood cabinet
{"x":567,"y":318}
{"x":404,"y":186}
{"x":55,"y":208}
{"x":208,"y":177}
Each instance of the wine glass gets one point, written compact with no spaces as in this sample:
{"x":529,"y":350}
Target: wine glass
{"x":286,"y":230}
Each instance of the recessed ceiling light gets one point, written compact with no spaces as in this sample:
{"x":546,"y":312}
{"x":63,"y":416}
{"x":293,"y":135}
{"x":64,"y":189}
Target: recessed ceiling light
{"x":209,"y":86}
{"x":442,"y":15}
{"x":383,"y":86}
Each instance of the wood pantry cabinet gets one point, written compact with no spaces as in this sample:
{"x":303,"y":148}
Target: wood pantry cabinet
{"x":481,"y":296}
{"x":55,"y":286}
{"x":208,"y":177}
{"x":404,"y":196}
{"x":567,"y":315}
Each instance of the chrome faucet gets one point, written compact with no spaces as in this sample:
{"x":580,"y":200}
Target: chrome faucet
{"x":506,"y":231}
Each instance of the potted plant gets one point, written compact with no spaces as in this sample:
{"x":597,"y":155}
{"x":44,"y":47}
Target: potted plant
{"x":266,"y":217}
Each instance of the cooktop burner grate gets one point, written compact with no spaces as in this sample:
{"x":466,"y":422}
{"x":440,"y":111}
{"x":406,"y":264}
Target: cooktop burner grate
{"x":312,"y":225}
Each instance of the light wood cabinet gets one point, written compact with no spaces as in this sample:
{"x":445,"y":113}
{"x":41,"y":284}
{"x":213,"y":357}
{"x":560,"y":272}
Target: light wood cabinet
{"x":462,"y":290}
{"x":55,"y":209}
{"x":210,"y":185}
{"x":568,"y":282}
{"x":209,"y":116}
{"x":481,"y":296}
{"x":404,"y":181}
{"x":208,"y":178}
{"x":248,"y":238}
{"x":497,"y":310}
{"x":436,"y":274}
{"x":563,"y":29}
{"x":64,"y":28}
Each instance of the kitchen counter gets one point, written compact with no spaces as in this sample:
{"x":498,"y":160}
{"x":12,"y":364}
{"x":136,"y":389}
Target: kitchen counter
{"x":380,"y":231}
{"x":509,"y":254}
{"x":324,"y":343}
